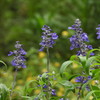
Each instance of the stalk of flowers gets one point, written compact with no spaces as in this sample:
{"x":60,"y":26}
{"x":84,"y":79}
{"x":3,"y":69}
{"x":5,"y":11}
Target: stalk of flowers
{"x":18,"y":60}
{"x":48,"y":40}
{"x":98,"y":33}
{"x":78,"y":40}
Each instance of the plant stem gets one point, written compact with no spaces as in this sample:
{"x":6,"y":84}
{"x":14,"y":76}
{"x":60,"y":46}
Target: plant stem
{"x":48,"y":70}
{"x":13,"y":84}
{"x":48,"y":60}
{"x":79,"y":92}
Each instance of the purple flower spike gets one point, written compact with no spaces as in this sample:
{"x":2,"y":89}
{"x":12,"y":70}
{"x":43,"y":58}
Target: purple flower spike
{"x":19,"y":53}
{"x":47,"y":38}
{"x":98,"y":33}
{"x":77,"y":40}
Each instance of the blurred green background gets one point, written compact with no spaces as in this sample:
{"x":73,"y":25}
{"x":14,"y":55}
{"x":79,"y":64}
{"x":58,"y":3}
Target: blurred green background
{"x":22,"y":20}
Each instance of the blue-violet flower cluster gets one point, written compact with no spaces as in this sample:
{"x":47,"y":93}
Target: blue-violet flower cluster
{"x":19,"y":53}
{"x":83,"y":80}
{"x":98,"y":33}
{"x":78,"y":40}
{"x":47,"y":38}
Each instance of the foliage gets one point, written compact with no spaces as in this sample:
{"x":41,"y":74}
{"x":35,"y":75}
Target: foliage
{"x":4,"y":92}
{"x":88,"y":65}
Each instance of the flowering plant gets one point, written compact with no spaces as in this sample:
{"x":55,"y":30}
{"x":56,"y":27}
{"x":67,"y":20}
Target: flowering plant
{"x":82,"y":82}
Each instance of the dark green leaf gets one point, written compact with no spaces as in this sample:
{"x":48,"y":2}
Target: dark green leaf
{"x":5,"y":68}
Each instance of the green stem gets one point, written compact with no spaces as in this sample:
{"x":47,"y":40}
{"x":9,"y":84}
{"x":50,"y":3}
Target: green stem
{"x":13,"y":84}
{"x":48,"y":70}
{"x":79,"y":92}
{"x":48,"y":61}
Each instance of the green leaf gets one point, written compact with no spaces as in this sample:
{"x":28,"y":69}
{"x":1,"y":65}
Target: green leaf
{"x":4,"y":91}
{"x":90,"y":93}
{"x":95,"y":72}
{"x":5,"y":68}
{"x":98,"y":58}
{"x":27,"y":88}
{"x":69,"y":90}
{"x":88,"y":63}
{"x":64,"y":66}
{"x":82,"y":60}
{"x":96,"y":93}
{"x":54,"y":98}
{"x":74,"y":57}
{"x":67,"y":84}
{"x":73,"y":76}
{"x":95,"y":64}
{"x":26,"y":97}
{"x":88,"y":54}
{"x":44,"y":76}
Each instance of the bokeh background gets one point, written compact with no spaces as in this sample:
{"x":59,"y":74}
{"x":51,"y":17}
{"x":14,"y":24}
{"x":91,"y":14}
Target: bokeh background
{"x":22,"y":20}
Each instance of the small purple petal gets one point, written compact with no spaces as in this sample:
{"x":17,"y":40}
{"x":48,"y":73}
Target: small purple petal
{"x":10,"y":53}
{"x":90,"y":46}
{"x":54,"y":36}
{"x":41,"y":49}
{"x":92,"y":54}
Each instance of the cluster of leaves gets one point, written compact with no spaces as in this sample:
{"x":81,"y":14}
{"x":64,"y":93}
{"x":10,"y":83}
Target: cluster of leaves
{"x":90,"y":67}
{"x":4,"y":92}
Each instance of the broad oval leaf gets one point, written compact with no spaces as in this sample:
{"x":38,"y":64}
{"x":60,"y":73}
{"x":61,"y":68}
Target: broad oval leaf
{"x":64,"y":66}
